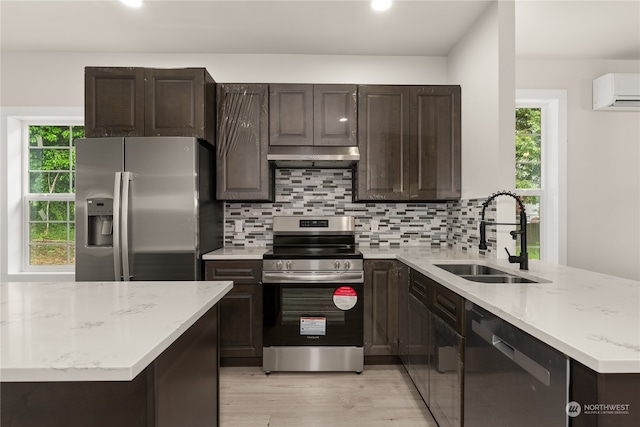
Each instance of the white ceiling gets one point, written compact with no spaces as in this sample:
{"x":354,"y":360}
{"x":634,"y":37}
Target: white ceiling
{"x":604,"y":29}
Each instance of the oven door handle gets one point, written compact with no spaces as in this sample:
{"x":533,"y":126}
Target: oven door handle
{"x":298,"y":277}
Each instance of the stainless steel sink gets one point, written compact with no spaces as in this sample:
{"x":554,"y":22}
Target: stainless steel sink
{"x":504,"y":278}
{"x":470,"y":269}
{"x":484,"y":274}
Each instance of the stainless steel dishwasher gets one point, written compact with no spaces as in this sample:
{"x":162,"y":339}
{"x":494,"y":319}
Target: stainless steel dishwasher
{"x":510,"y":377}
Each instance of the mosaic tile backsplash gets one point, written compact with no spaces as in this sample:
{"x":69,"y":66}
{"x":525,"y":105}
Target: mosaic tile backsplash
{"x":329,"y":192}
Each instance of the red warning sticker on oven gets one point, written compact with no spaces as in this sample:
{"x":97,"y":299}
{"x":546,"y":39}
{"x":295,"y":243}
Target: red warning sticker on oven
{"x":345,"y":297}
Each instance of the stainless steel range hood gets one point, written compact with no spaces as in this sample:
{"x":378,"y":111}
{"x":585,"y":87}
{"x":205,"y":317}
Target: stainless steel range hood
{"x":313,"y":156}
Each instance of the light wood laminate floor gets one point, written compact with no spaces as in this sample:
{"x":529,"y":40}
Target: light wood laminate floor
{"x":383,"y":395}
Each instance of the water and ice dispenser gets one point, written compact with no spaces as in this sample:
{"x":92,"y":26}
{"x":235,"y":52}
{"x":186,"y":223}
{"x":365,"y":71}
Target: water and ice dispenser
{"x":100,"y":222}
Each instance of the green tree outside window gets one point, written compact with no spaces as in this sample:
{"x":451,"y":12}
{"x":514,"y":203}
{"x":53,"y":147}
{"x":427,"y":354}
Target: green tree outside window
{"x":51,"y":187}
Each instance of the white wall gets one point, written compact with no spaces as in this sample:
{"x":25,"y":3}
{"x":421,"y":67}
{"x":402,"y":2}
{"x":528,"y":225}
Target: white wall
{"x":57,"y":79}
{"x":483,"y":63}
{"x":603,"y":170}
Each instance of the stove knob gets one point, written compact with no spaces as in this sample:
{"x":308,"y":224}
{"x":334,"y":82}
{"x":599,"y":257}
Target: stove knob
{"x":336,"y":265}
{"x":288,"y":265}
{"x":279,"y":265}
{"x":347,"y":265}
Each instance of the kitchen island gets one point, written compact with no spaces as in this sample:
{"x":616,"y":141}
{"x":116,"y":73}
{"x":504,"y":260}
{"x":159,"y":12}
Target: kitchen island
{"x":110,"y":353}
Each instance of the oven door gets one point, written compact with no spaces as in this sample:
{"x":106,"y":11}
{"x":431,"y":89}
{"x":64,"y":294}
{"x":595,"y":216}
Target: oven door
{"x":313,"y":314}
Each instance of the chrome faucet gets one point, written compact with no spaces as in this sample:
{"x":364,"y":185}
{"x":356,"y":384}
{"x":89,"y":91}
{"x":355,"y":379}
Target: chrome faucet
{"x":523,"y":258}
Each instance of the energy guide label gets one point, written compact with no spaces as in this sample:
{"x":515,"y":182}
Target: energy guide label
{"x":313,"y":326}
{"x":345,"y":297}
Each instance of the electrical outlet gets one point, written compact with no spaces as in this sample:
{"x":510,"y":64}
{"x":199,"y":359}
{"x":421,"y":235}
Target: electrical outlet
{"x":238,"y":225}
{"x":374,"y":225}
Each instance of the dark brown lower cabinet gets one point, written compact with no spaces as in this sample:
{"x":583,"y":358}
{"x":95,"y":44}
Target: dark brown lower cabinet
{"x":240,"y":311}
{"x":381,"y":307}
{"x":179,"y":388}
{"x":590,"y":389}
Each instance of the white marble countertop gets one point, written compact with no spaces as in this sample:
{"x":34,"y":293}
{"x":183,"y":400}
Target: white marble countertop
{"x":235,"y":253}
{"x":95,"y":331}
{"x":591,"y":317}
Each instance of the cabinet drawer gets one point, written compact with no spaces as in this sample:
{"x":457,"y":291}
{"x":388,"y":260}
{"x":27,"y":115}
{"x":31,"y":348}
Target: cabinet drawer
{"x":240,"y":272}
{"x":420,"y":286}
{"x":449,"y":306}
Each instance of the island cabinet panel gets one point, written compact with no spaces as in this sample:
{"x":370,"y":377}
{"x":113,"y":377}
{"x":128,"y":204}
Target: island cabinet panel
{"x":305,"y":114}
{"x":381,"y":279}
{"x":240,"y":310}
{"x":126,"y":101}
{"x":435,"y":143}
{"x":179,"y":388}
{"x":409,"y":143}
{"x":383,"y":129}
{"x":590,"y":389}
{"x":243,"y":171}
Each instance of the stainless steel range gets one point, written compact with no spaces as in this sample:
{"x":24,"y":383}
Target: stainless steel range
{"x":313,"y":283}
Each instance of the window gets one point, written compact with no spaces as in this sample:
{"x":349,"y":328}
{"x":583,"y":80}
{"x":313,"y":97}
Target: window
{"x":529,"y":172}
{"x":49,"y":195}
{"x":32,"y":198}
{"x":541,"y":158}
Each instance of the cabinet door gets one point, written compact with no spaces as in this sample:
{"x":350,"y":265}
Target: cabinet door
{"x":291,"y":114}
{"x":114,"y":101}
{"x":403,"y":313}
{"x":420,"y":356}
{"x":381,"y":308}
{"x":243,"y":171}
{"x":175,"y":102}
{"x":241,"y":322}
{"x":445,"y":373}
{"x":240,"y":309}
{"x":335,"y":115}
{"x":435,"y":143}
{"x":383,"y":128}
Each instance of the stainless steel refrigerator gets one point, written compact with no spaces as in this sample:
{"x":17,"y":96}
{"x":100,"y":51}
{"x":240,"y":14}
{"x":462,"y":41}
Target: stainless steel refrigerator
{"x":145,"y":208}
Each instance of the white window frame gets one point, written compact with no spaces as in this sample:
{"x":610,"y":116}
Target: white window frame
{"x":14,"y":199}
{"x":553,"y":191}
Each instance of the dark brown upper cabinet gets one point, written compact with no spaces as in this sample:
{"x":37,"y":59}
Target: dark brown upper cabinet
{"x":113,"y":101}
{"x":409,"y":143}
{"x":243,"y":171}
{"x":304,"y":114}
{"x":383,"y":128}
{"x":124,"y":101}
{"x":435,"y":143}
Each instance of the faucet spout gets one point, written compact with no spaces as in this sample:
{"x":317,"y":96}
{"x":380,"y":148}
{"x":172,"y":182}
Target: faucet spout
{"x":523,"y":258}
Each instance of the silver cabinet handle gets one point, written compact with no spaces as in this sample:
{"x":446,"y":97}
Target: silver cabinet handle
{"x":126,"y":177}
{"x":535,"y":369}
{"x":284,"y":277}
{"x":117,"y":256}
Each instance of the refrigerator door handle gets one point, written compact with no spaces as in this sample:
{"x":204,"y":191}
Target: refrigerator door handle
{"x":126,"y":179}
{"x":117,"y":267}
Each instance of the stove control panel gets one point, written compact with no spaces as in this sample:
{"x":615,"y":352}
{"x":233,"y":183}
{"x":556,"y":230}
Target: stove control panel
{"x":313,"y":265}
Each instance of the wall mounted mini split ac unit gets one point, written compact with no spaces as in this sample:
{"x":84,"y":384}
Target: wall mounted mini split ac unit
{"x":617,"y":92}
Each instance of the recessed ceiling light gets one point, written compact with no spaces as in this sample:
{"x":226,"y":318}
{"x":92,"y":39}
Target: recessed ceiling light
{"x":132,"y":3}
{"x":380,"y":4}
